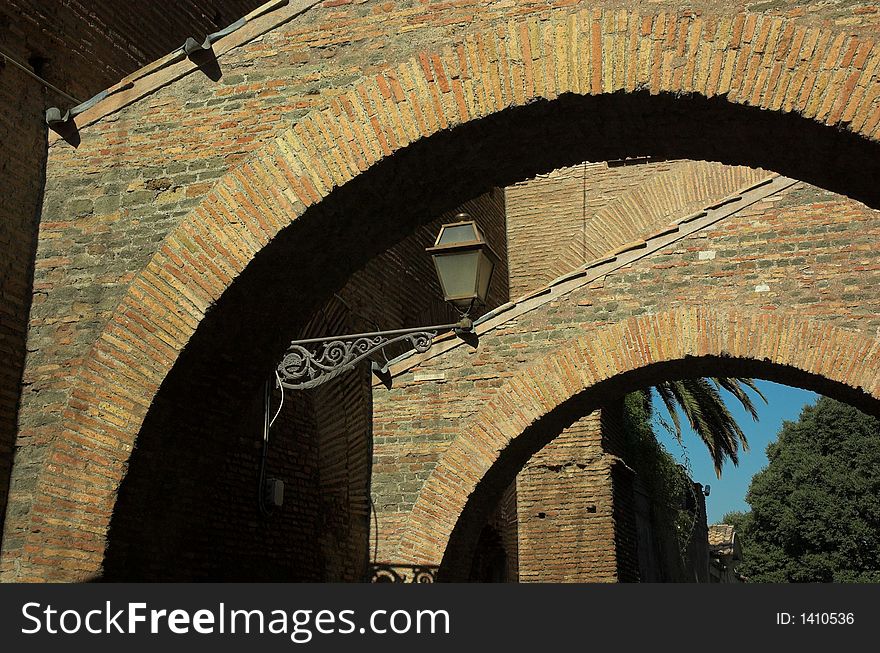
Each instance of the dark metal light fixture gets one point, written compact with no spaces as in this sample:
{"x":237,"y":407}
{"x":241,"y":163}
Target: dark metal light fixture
{"x":464,"y":263}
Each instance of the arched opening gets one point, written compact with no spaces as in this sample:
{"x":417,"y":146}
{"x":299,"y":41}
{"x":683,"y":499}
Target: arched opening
{"x":490,"y":559}
{"x":522,"y":448}
{"x":615,"y":497}
{"x":220,"y":370}
{"x":231,"y":349}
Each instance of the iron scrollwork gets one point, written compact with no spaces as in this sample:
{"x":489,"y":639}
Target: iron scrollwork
{"x":302,"y":368}
{"x":399,"y":573}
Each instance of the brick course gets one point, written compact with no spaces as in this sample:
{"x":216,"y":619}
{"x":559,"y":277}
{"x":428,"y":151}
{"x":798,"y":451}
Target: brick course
{"x":565,"y":503}
{"x":558,"y":222}
{"x":82,"y":51}
{"x":204,"y":185}
{"x":771,"y":303}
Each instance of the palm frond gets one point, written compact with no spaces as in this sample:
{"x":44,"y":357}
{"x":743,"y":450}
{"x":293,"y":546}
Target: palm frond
{"x":703,"y":406}
{"x":669,"y":400}
{"x":735,"y":387}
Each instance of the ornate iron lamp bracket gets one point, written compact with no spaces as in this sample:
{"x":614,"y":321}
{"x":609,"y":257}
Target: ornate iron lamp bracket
{"x":389,"y":572}
{"x":310,"y":363}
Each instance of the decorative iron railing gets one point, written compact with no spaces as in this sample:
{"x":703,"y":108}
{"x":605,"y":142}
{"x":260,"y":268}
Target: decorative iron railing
{"x":387,"y":572}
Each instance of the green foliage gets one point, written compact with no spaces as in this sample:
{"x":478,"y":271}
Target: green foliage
{"x":665,"y":480}
{"x":701,"y":402}
{"x":741,"y":521}
{"x":816,"y":506}
{"x":662,"y":475}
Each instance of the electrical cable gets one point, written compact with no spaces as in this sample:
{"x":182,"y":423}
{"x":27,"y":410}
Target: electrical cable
{"x":267,"y":424}
{"x":260,"y":490}
{"x":375,"y":530}
{"x":280,"y":387}
{"x":32,"y":74}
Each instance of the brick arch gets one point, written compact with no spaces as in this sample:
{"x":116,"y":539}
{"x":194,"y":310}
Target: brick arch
{"x":574,"y":378}
{"x":509,"y":78}
{"x":669,"y":194}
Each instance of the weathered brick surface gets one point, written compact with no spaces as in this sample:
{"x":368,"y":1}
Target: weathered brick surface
{"x":560,"y":221}
{"x":201,"y":176}
{"x":555,"y":224}
{"x":401,"y":289}
{"x":496,"y":555}
{"x":21,"y":181}
{"x":321,"y":449}
{"x":82,"y":50}
{"x":565,"y":503}
{"x":202,"y":521}
{"x":780,"y":287}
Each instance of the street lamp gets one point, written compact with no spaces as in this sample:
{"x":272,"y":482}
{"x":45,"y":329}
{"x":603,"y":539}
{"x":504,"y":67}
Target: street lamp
{"x":464,"y":263}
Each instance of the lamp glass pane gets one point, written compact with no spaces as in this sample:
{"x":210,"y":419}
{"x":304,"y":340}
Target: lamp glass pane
{"x":458,"y":273}
{"x":462,"y":233}
{"x":484,"y":276}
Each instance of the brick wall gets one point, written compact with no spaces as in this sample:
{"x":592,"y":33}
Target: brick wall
{"x":566,"y":508}
{"x":85,"y":49}
{"x":576,"y":505}
{"x":400,"y":288}
{"x":559,"y":221}
{"x":496,"y":555}
{"x":82,"y":50}
{"x":197,"y":151}
{"x":209,"y":526}
{"x":584,"y":514}
{"x":22,"y":181}
{"x":615,"y":441}
{"x":202,"y":522}
{"x":786,"y":258}
{"x":505,"y":520}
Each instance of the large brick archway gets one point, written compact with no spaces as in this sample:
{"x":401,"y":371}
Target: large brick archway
{"x":576,"y":377}
{"x":404,"y":146}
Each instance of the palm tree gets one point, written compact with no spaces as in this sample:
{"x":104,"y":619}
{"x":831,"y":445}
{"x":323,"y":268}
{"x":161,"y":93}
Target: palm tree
{"x":702,"y":404}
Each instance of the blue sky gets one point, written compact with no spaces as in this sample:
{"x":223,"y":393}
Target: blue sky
{"x":728,"y":493}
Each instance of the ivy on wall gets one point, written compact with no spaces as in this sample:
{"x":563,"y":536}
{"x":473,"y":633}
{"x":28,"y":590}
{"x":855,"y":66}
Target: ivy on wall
{"x":667,"y":483}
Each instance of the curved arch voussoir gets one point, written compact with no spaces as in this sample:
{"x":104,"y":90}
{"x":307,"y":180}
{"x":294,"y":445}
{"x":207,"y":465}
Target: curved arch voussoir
{"x":804,"y":348}
{"x":751,"y":60}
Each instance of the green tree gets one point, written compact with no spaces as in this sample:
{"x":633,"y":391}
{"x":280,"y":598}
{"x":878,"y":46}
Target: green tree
{"x":703,"y":406}
{"x":815,"y":508}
